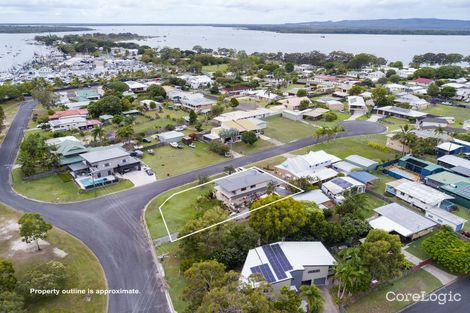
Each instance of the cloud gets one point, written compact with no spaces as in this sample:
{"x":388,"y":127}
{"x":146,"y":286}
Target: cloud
{"x":224,"y":11}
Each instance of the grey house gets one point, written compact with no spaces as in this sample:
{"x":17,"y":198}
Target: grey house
{"x":239,"y":188}
{"x":106,"y":162}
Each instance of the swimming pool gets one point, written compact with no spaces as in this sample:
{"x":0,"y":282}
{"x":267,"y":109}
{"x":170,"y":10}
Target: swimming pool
{"x":88,"y":182}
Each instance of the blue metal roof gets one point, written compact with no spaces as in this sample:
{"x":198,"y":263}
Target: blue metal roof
{"x":362,"y":176}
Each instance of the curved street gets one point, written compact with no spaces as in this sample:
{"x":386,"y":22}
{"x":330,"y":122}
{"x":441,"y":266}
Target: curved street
{"x":111,"y":226}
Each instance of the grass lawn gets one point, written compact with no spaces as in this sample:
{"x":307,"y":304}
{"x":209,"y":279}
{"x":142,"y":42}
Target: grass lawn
{"x":214,"y":68}
{"x":169,"y":161}
{"x":393,"y":124}
{"x":379,"y":186}
{"x":372,"y":203}
{"x":377,"y":302}
{"x":292,"y":86}
{"x":286,"y":130}
{"x":173,"y":275}
{"x":54,"y":189}
{"x":416,"y":248}
{"x":463,"y":212}
{"x":244,"y":148}
{"x":177,"y":211}
{"x":344,"y":147}
{"x":83,"y":268}
{"x":9,"y":108}
{"x":460,"y":114}
{"x":40,"y":112}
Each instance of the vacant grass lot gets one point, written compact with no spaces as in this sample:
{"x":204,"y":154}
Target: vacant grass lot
{"x":286,"y":130}
{"x":214,"y":68}
{"x":244,"y":148}
{"x":54,"y":189}
{"x":460,"y":114}
{"x":177,"y":211}
{"x":377,"y":302}
{"x":83,"y":268}
{"x":393,"y":123}
{"x":169,"y":161}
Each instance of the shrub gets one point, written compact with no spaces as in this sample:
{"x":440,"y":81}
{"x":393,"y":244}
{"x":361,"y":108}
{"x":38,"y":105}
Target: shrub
{"x":218,"y":147}
{"x":330,"y":116}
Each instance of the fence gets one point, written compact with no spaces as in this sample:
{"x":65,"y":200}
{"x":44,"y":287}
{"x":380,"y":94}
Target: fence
{"x":41,"y":175}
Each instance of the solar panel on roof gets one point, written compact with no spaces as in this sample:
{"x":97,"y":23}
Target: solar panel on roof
{"x":265,"y":271}
{"x":342,"y":183}
{"x":285,"y":264}
{"x":275,"y":264}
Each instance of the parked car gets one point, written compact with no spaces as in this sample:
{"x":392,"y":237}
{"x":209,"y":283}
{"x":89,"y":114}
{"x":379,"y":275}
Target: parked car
{"x":137,"y":153}
{"x":149,"y":172}
{"x":147,"y":140}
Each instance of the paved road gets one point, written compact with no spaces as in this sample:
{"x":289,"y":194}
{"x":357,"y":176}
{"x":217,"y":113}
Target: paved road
{"x":111,"y":226}
{"x":462,"y":286}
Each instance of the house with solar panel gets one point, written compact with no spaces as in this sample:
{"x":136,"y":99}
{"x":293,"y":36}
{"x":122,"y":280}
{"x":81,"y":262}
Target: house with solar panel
{"x":339,"y":188}
{"x":289,"y":264}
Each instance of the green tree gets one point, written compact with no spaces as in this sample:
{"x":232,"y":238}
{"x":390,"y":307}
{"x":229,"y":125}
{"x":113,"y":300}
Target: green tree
{"x":288,"y":301}
{"x":125,"y":132}
{"x":330,"y":116}
{"x":156,"y":92}
{"x":97,"y":132}
{"x":249,"y":137}
{"x":382,"y":255}
{"x":10,"y":302}
{"x":44,"y":95}
{"x":201,"y":278}
{"x":304,"y":104}
{"x":448,"y":92}
{"x":351,"y":272}
{"x":111,"y":105}
{"x":382,"y":97}
{"x":355,"y":90}
{"x":301,"y":93}
{"x":433,"y":90}
{"x":7,"y":276}
{"x":449,"y":251}
{"x":313,"y":297}
{"x":50,"y":275}
{"x":425,"y":72}
{"x":289,"y":67}
{"x":234,"y":102}
{"x":117,"y":86}
{"x":353,"y":203}
{"x":33,"y":227}
{"x":281,"y":220}
{"x":192,"y":117}
{"x":406,"y":137}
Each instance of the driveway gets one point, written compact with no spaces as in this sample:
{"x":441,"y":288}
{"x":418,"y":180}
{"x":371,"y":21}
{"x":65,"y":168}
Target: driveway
{"x":139,"y":178}
{"x":111,"y":225}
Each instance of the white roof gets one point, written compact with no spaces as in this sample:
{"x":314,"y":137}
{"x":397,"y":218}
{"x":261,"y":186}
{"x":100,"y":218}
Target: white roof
{"x":454,"y":161}
{"x":421,"y":192}
{"x":443,"y":214}
{"x":301,"y":165}
{"x":59,"y":140}
{"x":402,"y":111}
{"x":135,"y":85}
{"x":394,"y":217}
{"x":170,"y":134}
{"x":316,"y":196}
{"x":238,"y":115}
{"x":345,"y":166}
{"x":449,"y":146}
{"x":298,"y":253}
{"x":356,"y":101}
{"x":360,"y":160}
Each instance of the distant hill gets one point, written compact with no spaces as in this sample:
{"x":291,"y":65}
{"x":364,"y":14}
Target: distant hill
{"x":424,"y":26}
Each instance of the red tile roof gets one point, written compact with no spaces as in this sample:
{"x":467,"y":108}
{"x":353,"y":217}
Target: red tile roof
{"x":66,"y":113}
{"x":424,"y":80}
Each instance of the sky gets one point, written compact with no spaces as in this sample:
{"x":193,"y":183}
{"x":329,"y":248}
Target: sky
{"x":224,"y":11}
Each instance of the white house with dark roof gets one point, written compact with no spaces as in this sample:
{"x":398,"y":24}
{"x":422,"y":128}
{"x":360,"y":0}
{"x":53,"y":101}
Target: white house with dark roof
{"x":340,"y":187}
{"x":356,"y":104}
{"x":394,"y":218}
{"x":289,"y":264}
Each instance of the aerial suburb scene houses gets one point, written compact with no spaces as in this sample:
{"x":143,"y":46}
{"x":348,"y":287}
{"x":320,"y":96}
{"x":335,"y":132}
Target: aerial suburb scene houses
{"x":235,"y":157}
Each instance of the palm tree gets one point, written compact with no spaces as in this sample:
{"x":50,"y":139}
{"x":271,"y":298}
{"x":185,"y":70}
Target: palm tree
{"x":406,"y":137}
{"x":97,"y":132}
{"x":314,"y":298}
